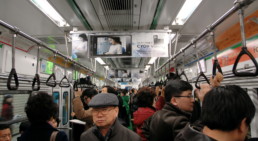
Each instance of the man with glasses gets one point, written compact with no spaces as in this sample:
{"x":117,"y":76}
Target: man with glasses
{"x":166,"y":123}
{"x":105,"y":113}
{"x":5,"y":133}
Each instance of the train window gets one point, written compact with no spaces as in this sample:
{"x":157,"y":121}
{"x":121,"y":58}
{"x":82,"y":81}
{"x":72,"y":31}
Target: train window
{"x":56,"y":99}
{"x":12,"y":108}
{"x":65,"y":108}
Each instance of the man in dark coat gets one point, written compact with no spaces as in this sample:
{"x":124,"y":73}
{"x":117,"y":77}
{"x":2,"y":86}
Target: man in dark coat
{"x":227,"y":112}
{"x":166,"y":123}
{"x":107,"y":128}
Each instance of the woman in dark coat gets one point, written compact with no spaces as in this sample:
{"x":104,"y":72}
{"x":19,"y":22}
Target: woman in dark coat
{"x":40,"y":110}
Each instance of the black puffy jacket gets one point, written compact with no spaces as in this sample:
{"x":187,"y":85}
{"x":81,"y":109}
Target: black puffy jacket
{"x":166,"y":123}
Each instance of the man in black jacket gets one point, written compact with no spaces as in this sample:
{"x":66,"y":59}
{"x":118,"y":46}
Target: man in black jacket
{"x":166,"y":123}
{"x":227,"y":112}
{"x":107,"y":127}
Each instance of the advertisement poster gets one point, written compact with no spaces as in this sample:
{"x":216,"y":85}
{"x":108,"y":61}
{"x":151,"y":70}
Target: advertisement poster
{"x":80,"y":46}
{"x":121,"y":75}
{"x":150,"y":45}
{"x":115,"y":45}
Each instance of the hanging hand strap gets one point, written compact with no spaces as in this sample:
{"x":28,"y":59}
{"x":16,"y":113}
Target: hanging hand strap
{"x":244,"y":51}
{"x":36,"y":80}
{"x":201,"y":75}
{"x":183,"y":74}
{"x":14,"y":74}
{"x":36,"y":77}
{"x":63,"y":83}
{"x":51,"y":81}
{"x":215,"y":67}
{"x":13,"y":71}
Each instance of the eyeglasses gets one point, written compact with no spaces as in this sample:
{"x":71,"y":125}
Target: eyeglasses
{"x":103,"y":111}
{"x":189,"y":96}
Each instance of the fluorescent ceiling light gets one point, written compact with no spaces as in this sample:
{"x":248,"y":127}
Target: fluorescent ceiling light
{"x":100,"y":61}
{"x":147,"y":67}
{"x":186,"y":11}
{"x":106,"y":67}
{"x":152,"y":60}
{"x":50,"y":11}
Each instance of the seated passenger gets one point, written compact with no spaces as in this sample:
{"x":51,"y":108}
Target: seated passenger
{"x":227,"y":112}
{"x":40,"y":110}
{"x":166,"y":123}
{"x":145,"y":109}
{"x":5,"y":133}
{"x":107,"y":127}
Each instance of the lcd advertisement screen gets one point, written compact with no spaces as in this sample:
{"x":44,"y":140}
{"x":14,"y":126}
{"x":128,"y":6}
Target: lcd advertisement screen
{"x":115,"y":45}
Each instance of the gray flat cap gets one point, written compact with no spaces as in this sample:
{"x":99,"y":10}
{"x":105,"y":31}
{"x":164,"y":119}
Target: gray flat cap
{"x":104,"y":100}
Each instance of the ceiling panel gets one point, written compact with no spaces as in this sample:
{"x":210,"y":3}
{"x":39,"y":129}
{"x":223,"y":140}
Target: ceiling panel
{"x":169,"y":12}
{"x":147,"y":13}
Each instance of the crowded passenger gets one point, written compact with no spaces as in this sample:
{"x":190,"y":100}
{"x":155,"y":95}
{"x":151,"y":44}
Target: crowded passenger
{"x":145,"y":101}
{"x":159,"y":101}
{"x":166,"y":123}
{"x":227,"y":112}
{"x":24,"y":126}
{"x":5,"y":132}
{"x":41,"y":109}
{"x":123,"y":117}
{"x":107,"y":127}
{"x":82,"y":111}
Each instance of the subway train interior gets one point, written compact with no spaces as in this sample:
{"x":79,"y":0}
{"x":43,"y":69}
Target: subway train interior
{"x":49,"y":45}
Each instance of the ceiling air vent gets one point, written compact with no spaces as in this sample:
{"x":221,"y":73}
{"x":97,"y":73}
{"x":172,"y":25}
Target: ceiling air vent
{"x":117,"y":4}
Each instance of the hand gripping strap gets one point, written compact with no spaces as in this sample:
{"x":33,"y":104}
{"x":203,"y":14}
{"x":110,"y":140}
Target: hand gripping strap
{"x":36,"y":79}
{"x":201,"y":75}
{"x":14,"y":74}
{"x":243,"y":52}
{"x":50,"y":82}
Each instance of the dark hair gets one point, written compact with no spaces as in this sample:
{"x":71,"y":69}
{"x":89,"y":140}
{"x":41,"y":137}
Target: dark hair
{"x":40,"y":108}
{"x":4,"y":126}
{"x":6,"y":97}
{"x":110,"y":89}
{"x":24,"y":126}
{"x":57,"y":120}
{"x":175,"y":88}
{"x":224,"y":108}
{"x":116,"y":39}
{"x":172,"y":76}
{"x":84,"y":37}
{"x":145,"y":97}
{"x":90,"y":92}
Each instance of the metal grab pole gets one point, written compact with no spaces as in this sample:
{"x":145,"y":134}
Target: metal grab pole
{"x":40,"y":43}
{"x":231,"y":11}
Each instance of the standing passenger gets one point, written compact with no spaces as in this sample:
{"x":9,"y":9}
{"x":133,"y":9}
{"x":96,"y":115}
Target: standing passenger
{"x":227,"y":112}
{"x":41,"y":109}
{"x":145,"y":110}
{"x":166,"y":123}
{"x":107,"y":127}
{"x":7,"y":108}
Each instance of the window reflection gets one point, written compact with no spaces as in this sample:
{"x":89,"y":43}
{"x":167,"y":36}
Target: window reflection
{"x":65,"y":108}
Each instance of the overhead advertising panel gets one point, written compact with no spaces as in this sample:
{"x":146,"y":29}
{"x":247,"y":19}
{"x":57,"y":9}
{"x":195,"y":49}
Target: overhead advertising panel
{"x":80,"y":46}
{"x":111,"y":45}
{"x":150,"y":45}
{"x":120,"y":44}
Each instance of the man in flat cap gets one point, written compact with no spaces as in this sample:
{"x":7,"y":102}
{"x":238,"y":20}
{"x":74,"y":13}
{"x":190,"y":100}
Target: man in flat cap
{"x":107,"y":128}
